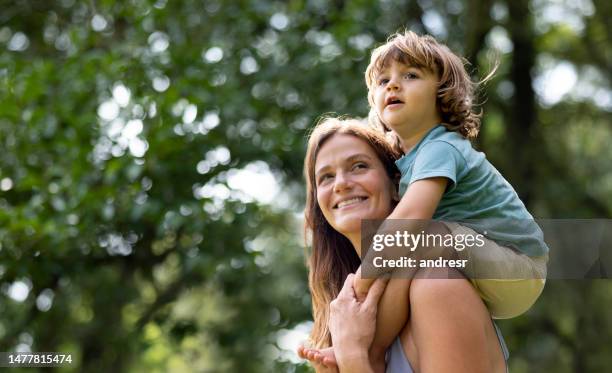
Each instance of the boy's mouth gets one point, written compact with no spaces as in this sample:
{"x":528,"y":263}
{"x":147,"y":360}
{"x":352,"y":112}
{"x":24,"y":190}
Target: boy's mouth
{"x":393,"y":101}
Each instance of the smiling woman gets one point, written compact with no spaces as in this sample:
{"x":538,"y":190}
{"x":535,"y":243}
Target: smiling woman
{"x":351,"y":175}
{"x":352,"y":184}
{"x":345,"y":160}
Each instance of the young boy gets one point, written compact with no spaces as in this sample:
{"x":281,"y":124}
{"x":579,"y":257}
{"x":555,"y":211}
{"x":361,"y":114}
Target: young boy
{"x":420,"y":92}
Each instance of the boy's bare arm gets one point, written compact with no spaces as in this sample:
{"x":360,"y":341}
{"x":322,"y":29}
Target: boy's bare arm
{"x":418,"y":205}
{"x":421,"y":199}
{"x":361,"y":285}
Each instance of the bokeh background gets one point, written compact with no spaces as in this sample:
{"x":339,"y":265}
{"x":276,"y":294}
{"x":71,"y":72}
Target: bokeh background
{"x":151,"y":154}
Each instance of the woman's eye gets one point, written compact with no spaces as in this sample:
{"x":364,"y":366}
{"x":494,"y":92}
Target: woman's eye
{"x":324,"y":178}
{"x":358,"y":166}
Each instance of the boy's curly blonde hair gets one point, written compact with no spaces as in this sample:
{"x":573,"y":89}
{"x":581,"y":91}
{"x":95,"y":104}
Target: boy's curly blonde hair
{"x":455,"y":88}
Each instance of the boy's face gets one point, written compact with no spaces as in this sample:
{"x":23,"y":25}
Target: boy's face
{"x":405,"y":98}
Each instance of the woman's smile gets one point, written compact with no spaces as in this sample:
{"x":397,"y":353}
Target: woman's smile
{"x":350,"y":202}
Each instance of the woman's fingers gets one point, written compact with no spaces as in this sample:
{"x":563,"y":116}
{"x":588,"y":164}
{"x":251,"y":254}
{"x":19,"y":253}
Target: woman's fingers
{"x":347,"y":289}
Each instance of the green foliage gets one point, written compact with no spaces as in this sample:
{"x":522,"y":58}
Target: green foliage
{"x":126,"y":128}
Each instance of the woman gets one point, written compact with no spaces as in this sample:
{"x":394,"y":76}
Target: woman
{"x":351,"y":175}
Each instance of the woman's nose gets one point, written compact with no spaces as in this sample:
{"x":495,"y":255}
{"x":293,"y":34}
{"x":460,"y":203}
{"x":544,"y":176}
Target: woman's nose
{"x":341,"y":182}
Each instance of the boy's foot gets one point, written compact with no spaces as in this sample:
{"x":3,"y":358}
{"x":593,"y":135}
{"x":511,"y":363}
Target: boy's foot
{"x":323,"y":356}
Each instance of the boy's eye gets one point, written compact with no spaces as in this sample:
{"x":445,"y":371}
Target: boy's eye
{"x":410,"y":76}
{"x":383,"y":81}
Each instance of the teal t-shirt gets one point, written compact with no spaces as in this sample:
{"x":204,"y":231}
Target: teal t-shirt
{"x":477,"y":195}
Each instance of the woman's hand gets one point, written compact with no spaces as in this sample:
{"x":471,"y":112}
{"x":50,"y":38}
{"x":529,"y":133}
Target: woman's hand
{"x":352,"y":325}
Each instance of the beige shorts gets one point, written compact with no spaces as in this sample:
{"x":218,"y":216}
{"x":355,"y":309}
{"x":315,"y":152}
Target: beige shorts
{"x":509,"y":282}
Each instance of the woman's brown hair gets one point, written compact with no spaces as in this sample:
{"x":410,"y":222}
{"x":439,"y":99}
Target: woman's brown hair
{"x":333,"y":257}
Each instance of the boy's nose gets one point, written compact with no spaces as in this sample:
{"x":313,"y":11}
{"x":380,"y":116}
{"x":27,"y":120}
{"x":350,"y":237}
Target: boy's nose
{"x":392,"y":85}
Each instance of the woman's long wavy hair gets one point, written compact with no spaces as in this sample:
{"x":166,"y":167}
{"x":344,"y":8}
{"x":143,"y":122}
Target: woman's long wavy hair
{"x":455,"y":99}
{"x":333,"y":257}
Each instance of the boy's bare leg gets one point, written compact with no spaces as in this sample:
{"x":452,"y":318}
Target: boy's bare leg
{"x":449,"y":320}
{"x":392,"y":316}
{"x":394,"y":305}
{"x":362,"y":285}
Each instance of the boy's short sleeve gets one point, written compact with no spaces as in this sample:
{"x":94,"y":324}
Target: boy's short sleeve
{"x":438,"y":159}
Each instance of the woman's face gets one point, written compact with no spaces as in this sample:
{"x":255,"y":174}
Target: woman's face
{"x":351,"y":184}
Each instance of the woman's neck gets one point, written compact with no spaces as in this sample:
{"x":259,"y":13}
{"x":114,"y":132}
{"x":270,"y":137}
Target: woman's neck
{"x":356,"y":241}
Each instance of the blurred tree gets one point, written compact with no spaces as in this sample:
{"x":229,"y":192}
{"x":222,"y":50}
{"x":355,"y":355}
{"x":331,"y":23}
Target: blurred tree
{"x":151,"y":157}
